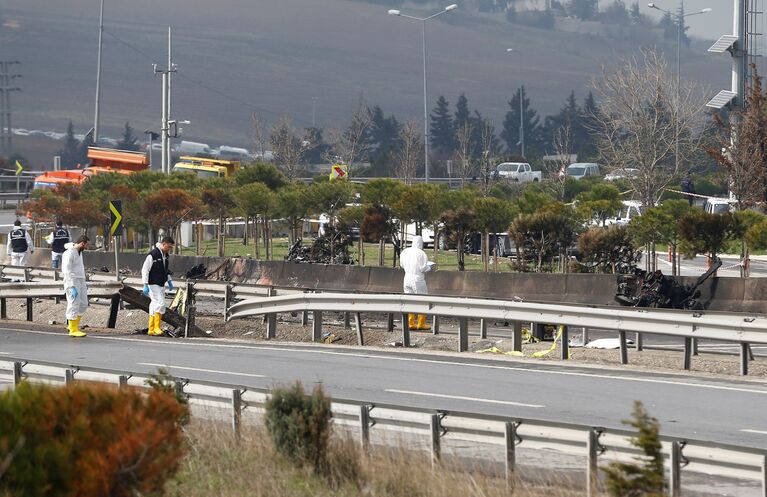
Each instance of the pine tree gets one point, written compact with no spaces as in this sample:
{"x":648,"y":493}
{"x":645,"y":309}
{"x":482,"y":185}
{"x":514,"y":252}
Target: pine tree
{"x":70,"y":153}
{"x":682,"y":26}
{"x":462,"y":113}
{"x":583,"y":9}
{"x":384,"y":140}
{"x":643,"y":478}
{"x":510,"y":133}
{"x":128,"y":141}
{"x":441,"y":129}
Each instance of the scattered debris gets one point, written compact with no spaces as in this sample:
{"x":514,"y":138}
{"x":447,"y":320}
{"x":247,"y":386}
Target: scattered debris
{"x":607,"y":343}
{"x":643,"y":289}
{"x":335,"y":243}
{"x":394,"y":344}
{"x":197,"y":272}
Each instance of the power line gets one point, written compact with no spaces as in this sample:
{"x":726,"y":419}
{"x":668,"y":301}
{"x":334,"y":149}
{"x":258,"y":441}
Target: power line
{"x":194,"y":81}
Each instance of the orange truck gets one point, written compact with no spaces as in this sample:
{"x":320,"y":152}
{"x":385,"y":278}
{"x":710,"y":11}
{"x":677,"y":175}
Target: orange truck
{"x":102,"y":160}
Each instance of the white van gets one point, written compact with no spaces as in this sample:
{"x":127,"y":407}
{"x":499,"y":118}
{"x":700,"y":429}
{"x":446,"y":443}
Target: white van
{"x":630,"y":210}
{"x":226,"y":152}
{"x":716,"y":205}
{"x":193,"y":148}
{"x":580,"y":170}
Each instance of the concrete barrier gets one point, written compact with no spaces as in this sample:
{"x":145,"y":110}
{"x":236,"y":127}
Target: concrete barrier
{"x":721,"y":294}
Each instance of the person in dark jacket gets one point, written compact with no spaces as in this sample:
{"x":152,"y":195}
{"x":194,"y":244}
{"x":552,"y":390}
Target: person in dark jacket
{"x":19,"y":245}
{"x":155,"y":273}
{"x":60,"y":239}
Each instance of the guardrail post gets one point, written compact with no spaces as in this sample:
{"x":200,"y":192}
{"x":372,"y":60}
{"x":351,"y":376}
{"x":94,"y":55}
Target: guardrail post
{"x":592,"y":466}
{"x":624,"y":349}
{"x":347,"y":320}
{"x":463,"y":334}
{"x":358,"y":327}
{"x":114,"y":307}
{"x":227,"y":301}
{"x":390,"y":322}
{"x":30,"y":309}
{"x":638,"y":342}
{"x":56,"y":278}
{"x":435,"y":325}
{"x":190,"y":309}
{"x":317,"y":326}
{"x":694,"y":346}
{"x":69,"y":376}
{"x":122,"y":381}
{"x":483,"y":328}
{"x":510,"y":433}
{"x":271,"y":325}
{"x":304,"y":318}
{"x":236,"y":412}
{"x":3,"y":309}
{"x":516,"y":336}
{"x":436,"y":435}
{"x":565,"y":355}
{"x":585,"y":336}
{"x":365,"y":428}
{"x":764,"y":476}
{"x":687,"y":352}
{"x":405,"y":332}
{"x":675,"y":473}
{"x":744,"y":349}
{"x":18,"y":374}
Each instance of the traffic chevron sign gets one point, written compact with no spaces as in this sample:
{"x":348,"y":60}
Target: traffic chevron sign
{"x":116,"y":217}
{"x":339,"y":171}
{"x":18,"y":168}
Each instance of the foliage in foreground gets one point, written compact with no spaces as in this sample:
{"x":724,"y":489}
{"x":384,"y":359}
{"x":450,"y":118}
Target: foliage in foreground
{"x":643,"y":478}
{"x":88,"y":440}
{"x":299,"y":424}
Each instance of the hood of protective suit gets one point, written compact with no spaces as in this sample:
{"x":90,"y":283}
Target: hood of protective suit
{"x":417,"y":242}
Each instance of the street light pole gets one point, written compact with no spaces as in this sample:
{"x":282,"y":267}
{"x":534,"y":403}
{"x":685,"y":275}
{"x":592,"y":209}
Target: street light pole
{"x":394,"y":12}
{"x":679,"y":21}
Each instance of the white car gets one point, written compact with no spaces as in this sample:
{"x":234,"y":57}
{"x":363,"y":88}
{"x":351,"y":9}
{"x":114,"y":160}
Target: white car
{"x":622,"y":173}
{"x":630,"y":210}
{"x":580,"y":170}
{"x":517,"y":171}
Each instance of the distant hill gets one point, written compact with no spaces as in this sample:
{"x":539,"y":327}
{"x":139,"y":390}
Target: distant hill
{"x":274,"y":56}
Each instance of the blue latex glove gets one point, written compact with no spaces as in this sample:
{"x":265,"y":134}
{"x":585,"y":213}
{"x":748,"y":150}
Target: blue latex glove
{"x":74,"y":292}
{"x":170,"y":285}
{"x":146,"y":290}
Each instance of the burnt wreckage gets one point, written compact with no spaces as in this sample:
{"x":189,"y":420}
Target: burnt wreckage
{"x":654,"y":289}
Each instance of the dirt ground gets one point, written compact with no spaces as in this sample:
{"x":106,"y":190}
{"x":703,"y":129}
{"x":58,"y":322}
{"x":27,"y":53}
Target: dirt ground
{"x":289,"y":329}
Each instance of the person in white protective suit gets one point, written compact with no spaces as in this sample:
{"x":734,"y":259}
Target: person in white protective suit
{"x":155,"y":274}
{"x":415,"y":263}
{"x":75,"y":289}
{"x":19,"y":245}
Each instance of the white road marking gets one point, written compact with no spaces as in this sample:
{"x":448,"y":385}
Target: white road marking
{"x":251,"y":375}
{"x":470,"y":399}
{"x":759,"y":432}
{"x":309,"y":349}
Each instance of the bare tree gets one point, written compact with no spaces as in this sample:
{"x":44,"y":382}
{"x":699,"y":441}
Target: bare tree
{"x":463,"y":137}
{"x":288,"y":148}
{"x":408,"y":155}
{"x":259,"y":140}
{"x":740,"y":148}
{"x":640,"y":120}
{"x":352,"y":144}
{"x":563,"y":150}
{"x":489,"y":143}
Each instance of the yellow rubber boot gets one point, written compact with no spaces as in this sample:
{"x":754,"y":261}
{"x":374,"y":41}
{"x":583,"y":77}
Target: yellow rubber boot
{"x":150,"y":326}
{"x":411,"y":322}
{"x":422,"y":323}
{"x":155,"y":321}
{"x":74,"y":331}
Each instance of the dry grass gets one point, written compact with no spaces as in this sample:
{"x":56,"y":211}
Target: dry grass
{"x":217,"y":464}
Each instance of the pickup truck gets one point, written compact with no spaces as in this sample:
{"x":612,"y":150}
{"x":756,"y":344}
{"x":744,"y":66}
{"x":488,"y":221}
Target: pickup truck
{"x":517,"y":171}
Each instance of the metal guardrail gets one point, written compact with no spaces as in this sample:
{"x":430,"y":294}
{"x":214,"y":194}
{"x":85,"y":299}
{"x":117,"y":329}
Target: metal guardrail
{"x":509,"y":432}
{"x":721,"y":326}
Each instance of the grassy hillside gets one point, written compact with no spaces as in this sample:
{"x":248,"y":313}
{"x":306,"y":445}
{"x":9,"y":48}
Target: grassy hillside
{"x":236,"y":57}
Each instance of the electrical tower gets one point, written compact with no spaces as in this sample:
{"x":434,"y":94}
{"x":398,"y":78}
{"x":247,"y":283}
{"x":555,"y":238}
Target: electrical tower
{"x":8,"y":75}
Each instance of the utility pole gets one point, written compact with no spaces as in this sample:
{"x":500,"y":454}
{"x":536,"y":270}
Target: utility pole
{"x":97,"y":113}
{"x":170,"y":66}
{"x":6,"y":81}
{"x":165,"y":125}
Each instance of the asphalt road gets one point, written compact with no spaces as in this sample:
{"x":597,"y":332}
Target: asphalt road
{"x":730,"y":411}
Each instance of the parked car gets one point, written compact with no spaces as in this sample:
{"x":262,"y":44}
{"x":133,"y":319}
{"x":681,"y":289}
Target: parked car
{"x":517,"y":171}
{"x":622,"y":173}
{"x":630,"y":210}
{"x":580,"y":170}
{"x":715,"y":205}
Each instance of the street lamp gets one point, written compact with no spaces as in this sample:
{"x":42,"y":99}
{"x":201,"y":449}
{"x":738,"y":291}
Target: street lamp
{"x":521,"y":117}
{"x":395,"y":12}
{"x":679,"y":23}
{"x":152,"y":137}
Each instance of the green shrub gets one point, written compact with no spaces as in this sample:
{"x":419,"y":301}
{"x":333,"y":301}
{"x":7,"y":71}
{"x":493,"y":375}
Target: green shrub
{"x":87,"y":440}
{"x":299,"y":424}
{"x":643,"y":478}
